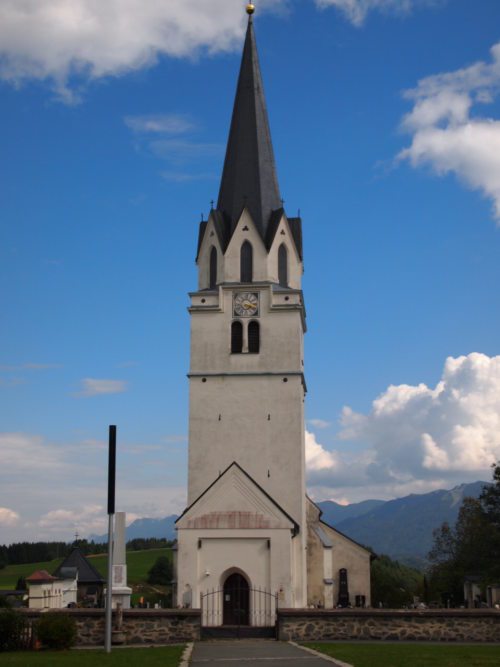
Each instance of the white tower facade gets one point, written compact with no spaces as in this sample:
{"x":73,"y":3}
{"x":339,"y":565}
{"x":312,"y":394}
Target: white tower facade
{"x":243,"y":540}
{"x":246,"y":485}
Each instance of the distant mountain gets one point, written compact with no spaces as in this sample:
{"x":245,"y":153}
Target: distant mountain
{"x":161,"y":528}
{"x":402,"y":528}
{"x":333,"y":513}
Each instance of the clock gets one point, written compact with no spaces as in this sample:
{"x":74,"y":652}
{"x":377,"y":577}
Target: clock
{"x":245,"y":304}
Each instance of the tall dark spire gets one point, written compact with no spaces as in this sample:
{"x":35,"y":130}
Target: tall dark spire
{"x":249,"y":175}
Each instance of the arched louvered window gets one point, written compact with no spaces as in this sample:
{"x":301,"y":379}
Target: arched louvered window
{"x":253,"y":337}
{"x":246,"y":263}
{"x":283,"y":265}
{"x":236,"y":337}
{"x":213,"y":267}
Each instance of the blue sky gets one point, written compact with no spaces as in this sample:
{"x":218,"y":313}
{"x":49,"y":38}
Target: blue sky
{"x":386,"y":128}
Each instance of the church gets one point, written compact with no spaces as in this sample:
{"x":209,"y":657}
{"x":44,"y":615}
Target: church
{"x":250,"y":540}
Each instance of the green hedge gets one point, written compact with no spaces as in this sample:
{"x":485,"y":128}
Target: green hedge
{"x":56,"y":631}
{"x":12,"y":630}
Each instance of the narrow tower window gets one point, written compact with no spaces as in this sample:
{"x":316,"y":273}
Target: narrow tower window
{"x":253,"y":337}
{"x":213,"y":267}
{"x":236,"y":337}
{"x":246,"y":263}
{"x":283,"y":265}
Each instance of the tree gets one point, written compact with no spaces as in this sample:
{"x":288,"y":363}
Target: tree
{"x":21,"y":584}
{"x":471,"y":546}
{"x":394,"y":585}
{"x":161,"y":572}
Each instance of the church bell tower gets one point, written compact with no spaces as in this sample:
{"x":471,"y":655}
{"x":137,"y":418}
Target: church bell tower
{"x":246,"y":487}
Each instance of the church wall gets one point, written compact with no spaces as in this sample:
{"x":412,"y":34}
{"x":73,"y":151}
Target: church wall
{"x":257,"y":423}
{"x":325,"y":563}
{"x":280,"y":334}
{"x":232,"y":255}
{"x":210,"y":239}
{"x":295,"y":269}
{"x":265,"y":264}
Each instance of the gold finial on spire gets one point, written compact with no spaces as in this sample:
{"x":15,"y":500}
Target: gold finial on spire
{"x":250,"y":9}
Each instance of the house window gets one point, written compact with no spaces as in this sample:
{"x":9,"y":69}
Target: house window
{"x":253,"y":337}
{"x":283,"y":265}
{"x":246,"y":263}
{"x":236,"y":337}
{"x":213,"y":268}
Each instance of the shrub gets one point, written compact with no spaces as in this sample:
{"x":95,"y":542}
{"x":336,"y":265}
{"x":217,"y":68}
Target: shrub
{"x":12,"y":626}
{"x":56,"y":630}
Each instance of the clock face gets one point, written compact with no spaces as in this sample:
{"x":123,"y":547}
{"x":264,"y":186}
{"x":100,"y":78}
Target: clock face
{"x":246,"y":304}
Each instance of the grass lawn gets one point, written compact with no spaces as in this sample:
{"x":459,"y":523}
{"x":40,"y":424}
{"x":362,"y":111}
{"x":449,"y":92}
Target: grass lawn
{"x":10,"y":574}
{"x":138,"y":565}
{"x":416,"y":655}
{"x":165,"y":656}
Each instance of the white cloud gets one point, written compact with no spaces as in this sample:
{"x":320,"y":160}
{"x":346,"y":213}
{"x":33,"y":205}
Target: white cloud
{"x":357,"y":10}
{"x":21,"y":451}
{"x":93,"y":387}
{"x":182,"y":151}
{"x":57,"y":39}
{"x":318,"y":458}
{"x":159,"y":123}
{"x":452,"y":427}
{"x":417,"y":438}
{"x":319,"y":423}
{"x":56,"y":487}
{"x":87,"y":519}
{"x":29,"y":367}
{"x":8,"y":517}
{"x":185,"y":177}
{"x":449,"y":134}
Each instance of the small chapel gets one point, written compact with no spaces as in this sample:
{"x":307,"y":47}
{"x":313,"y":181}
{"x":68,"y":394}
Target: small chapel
{"x":250,"y":539}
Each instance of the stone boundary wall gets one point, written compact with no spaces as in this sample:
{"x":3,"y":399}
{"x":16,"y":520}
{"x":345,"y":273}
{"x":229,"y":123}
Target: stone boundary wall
{"x":139,"y":626}
{"x":449,"y":625}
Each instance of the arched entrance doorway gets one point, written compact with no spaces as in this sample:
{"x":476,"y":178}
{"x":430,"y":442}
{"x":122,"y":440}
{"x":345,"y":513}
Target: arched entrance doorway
{"x":236,"y":609}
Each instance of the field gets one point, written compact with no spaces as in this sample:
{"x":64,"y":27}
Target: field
{"x":168,"y":656}
{"x":416,"y":655}
{"x":138,"y":565}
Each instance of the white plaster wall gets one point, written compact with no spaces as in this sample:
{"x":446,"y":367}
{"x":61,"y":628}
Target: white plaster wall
{"x":260,"y":427}
{"x":357,"y":562}
{"x":231,"y":272}
{"x":210,"y":239}
{"x":295,"y":268}
{"x":324,"y":563}
{"x":224,"y":551}
{"x":281,"y":333}
{"x":69,"y":591}
{"x":265,"y":265}
{"x":242,"y":410}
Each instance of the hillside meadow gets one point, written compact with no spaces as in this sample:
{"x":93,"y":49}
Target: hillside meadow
{"x":138,"y":565}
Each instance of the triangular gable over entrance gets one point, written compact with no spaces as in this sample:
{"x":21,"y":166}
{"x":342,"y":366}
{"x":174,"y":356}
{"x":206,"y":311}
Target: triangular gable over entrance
{"x":235,"y":500}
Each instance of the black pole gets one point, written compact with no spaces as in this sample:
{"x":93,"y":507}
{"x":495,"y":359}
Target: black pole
{"x":111,"y":513}
{"x":111,"y":469}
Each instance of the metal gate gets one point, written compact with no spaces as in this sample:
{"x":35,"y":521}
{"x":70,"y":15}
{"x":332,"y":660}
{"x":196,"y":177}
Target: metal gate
{"x":239,"y":612}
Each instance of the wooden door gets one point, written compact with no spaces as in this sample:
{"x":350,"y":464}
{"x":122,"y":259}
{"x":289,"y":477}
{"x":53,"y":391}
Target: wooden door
{"x":236,"y":593}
